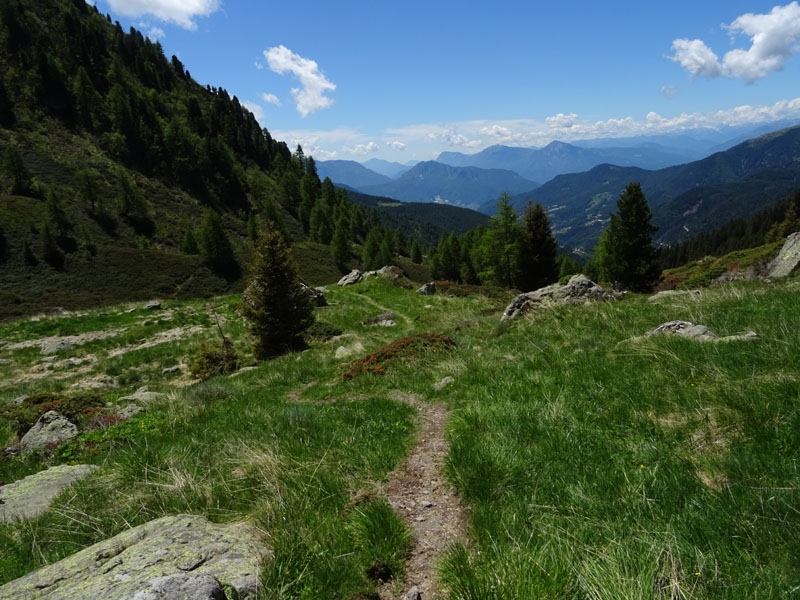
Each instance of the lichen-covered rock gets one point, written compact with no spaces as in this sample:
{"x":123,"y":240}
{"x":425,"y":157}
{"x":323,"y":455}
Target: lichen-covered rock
{"x":788,"y":258}
{"x":55,"y":346}
{"x":51,"y":428}
{"x":699,"y":333}
{"x":171,"y":557}
{"x":32,"y":496}
{"x":428,"y":289}
{"x":143,"y":394}
{"x":578,"y":290}
{"x":352,"y":277}
{"x":152,"y":305}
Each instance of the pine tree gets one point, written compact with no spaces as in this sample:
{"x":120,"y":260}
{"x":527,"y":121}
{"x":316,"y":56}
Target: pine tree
{"x":15,"y":168}
{"x":416,"y":252}
{"x":502,"y":244}
{"x":340,"y":246}
{"x":369,"y":253}
{"x":51,"y":253}
{"x":55,"y":215}
{"x":252,"y":228}
{"x":215,"y":246}
{"x":537,"y":257}
{"x":278,"y":309}
{"x":188,"y":243}
{"x":625,"y":253}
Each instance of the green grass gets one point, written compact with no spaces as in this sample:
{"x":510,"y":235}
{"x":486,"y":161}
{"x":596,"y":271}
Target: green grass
{"x":703,"y":272}
{"x":592,"y":466}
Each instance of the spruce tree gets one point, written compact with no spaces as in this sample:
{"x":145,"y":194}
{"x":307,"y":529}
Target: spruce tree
{"x":416,"y":253}
{"x":537,"y":257}
{"x":369,"y":253}
{"x":51,"y":253}
{"x":340,"y":246}
{"x":625,"y":253}
{"x":55,"y":215}
{"x":278,"y":308}
{"x":215,"y":246}
{"x":15,"y":168}
{"x":502,"y":244}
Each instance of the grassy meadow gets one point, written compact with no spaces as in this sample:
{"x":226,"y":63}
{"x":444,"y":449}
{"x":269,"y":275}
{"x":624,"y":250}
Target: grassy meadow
{"x":592,"y":465}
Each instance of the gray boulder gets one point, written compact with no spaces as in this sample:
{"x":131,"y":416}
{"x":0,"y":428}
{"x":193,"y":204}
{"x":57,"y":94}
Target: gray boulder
{"x":183,"y":556}
{"x":352,"y":277}
{"x":317,"y":295}
{"x":51,"y":428}
{"x":578,"y":290}
{"x":428,"y":289}
{"x":788,"y":258}
{"x":698,"y":333}
{"x":152,"y":305}
{"x":143,"y":394}
{"x":32,"y":496}
{"x":55,"y":346}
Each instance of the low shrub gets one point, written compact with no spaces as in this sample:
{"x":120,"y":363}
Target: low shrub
{"x":413,"y":346}
{"x":212,"y":361}
{"x":24,"y":415}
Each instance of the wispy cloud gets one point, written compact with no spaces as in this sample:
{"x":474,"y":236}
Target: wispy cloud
{"x":310,"y":97}
{"x":774,"y":38}
{"x":271,"y":99}
{"x":363,"y":148}
{"x":156,"y":33}
{"x":396,"y":146}
{"x":669,"y":91}
{"x":180,"y":12}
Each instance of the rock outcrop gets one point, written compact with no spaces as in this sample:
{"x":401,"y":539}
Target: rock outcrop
{"x":578,"y":290}
{"x":352,"y":277}
{"x":51,"y":428}
{"x":32,"y":496}
{"x":183,"y":556}
{"x":389,"y":272}
{"x":317,"y":295}
{"x":788,"y":258}
{"x":387,"y":319}
{"x":667,"y":295}
{"x":428,"y":289}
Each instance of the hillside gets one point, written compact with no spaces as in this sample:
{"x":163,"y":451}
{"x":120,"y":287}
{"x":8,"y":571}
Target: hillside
{"x":567,"y":456}
{"x":557,"y":158}
{"x":698,"y":196}
{"x":468,"y":187}
{"x":121,"y":178}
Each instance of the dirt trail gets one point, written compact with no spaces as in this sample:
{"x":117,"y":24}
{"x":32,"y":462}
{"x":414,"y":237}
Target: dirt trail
{"x":383,"y":308}
{"x":419,"y":492}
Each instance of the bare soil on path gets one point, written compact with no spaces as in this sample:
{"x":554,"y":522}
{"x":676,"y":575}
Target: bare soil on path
{"x":419,"y":493}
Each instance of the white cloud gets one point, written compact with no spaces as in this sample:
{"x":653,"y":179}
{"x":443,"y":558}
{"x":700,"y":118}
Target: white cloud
{"x":156,"y":33}
{"x":310,"y":97}
{"x":669,"y":91}
{"x":696,"y":57}
{"x":271,"y":99}
{"x":180,"y":12}
{"x":362,"y":148}
{"x":425,"y":140}
{"x":258,"y":65}
{"x":256,"y":109}
{"x":774,"y":38}
{"x":527,"y":133}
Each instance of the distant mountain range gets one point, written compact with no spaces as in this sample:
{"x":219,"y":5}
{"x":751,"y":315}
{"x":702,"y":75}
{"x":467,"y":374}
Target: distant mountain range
{"x":468,"y":187}
{"x":685,"y":199}
{"x":349,"y":173}
{"x":390,"y":169}
{"x":542,"y":164}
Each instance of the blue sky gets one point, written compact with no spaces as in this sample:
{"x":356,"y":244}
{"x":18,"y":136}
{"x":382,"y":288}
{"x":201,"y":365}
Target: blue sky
{"x":407,"y":80}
